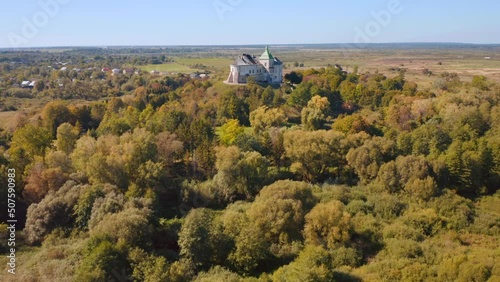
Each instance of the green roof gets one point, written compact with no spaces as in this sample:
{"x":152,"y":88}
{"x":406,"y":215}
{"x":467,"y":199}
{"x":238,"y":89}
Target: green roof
{"x":266,"y":55}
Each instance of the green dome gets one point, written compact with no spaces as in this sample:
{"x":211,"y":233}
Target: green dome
{"x":266,"y":55}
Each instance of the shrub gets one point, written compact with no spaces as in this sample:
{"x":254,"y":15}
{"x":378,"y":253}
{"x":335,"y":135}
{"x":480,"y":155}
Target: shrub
{"x":313,"y":264}
{"x":130,"y":226}
{"x":386,"y":206}
{"x":456,"y":212}
{"x":54,"y":211}
{"x":102,"y":261}
{"x":217,"y":274}
{"x":403,"y":248}
{"x":426,"y":221}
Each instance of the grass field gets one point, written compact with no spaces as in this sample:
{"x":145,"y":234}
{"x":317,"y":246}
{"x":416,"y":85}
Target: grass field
{"x":466,"y":63}
{"x":217,"y":63}
{"x":8,"y":119}
{"x":169,"y":68}
{"x":190,"y":65}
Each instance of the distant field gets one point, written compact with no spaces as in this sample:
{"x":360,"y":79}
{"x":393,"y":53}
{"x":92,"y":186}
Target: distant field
{"x":208,"y":62}
{"x":189,"y":65}
{"x":169,"y":68}
{"x":466,"y":63}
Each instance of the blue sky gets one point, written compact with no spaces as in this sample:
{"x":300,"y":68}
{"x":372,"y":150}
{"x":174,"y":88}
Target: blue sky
{"x":233,"y":22}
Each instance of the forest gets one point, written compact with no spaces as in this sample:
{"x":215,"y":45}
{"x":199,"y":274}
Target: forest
{"x":332,"y":176}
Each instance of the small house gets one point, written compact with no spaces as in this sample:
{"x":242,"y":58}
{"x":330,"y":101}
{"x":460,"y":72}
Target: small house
{"x":26,"y":84}
{"x":128,"y":71}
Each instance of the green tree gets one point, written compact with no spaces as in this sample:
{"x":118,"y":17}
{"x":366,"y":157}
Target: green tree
{"x":251,"y":250}
{"x":300,"y":96}
{"x":194,"y":237}
{"x":294,"y":77}
{"x":27,"y":142}
{"x":217,"y":274}
{"x":351,"y":124}
{"x":411,"y":173}
{"x":148,"y":267}
{"x":264,"y":118}
{"x":230,"y":131}
{"x":199,"y":240}
{"x":367,"y":159}
{"x":313,"y":264}
{"x":102,"y":261}
{"x":66,"y":138}
{"x":314,"y":115}
{"x":348,"y":92}
{"x":278,"y":214}
{"x":54,"y":114}
{"x":239,"y":175}
{"x":130,"y":226}
{"x":232,"y":107}
{"x":315,"y":155}
{"x":328,"y":225}
{"x":480,"y":82}
{"x":83,"y":208}
{"x":268,"y":96}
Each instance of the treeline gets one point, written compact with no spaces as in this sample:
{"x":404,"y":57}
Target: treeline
{"x":333,"y":176}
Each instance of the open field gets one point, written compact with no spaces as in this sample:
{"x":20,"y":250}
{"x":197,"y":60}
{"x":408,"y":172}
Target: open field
{"x":190,"y":64}
{"x":7,"y":119}
{"x":217,"y":63}
{"x":466,"y":63}
{"x":169,"y":68}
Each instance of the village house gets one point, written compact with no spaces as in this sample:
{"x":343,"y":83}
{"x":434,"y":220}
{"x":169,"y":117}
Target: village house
{"x":128,"y":71}
{"x":27,"y":84}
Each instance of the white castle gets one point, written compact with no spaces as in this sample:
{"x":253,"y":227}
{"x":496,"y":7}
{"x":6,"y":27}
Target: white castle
{"x":265,"y":69}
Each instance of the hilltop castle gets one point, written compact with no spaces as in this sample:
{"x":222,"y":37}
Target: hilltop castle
{"x":265,"y":69}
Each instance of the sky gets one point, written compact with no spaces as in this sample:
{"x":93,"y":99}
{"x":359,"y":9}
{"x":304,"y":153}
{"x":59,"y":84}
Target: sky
{"x":45,"y":23}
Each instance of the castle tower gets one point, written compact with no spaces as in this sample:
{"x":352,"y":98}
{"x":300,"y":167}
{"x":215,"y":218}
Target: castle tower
{"x":267,"y":60}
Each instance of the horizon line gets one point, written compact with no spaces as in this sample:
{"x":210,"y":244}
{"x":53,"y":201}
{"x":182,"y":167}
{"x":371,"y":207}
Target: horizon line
{"x":245,"y":45}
